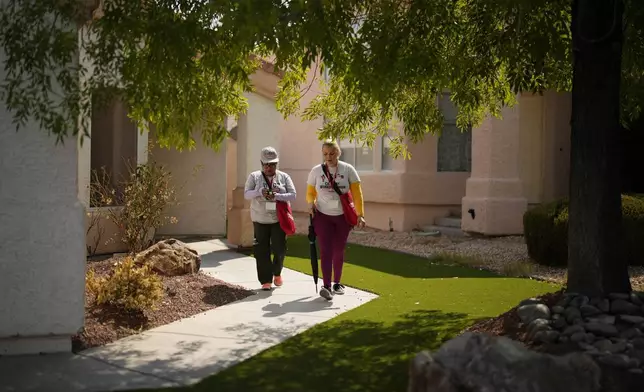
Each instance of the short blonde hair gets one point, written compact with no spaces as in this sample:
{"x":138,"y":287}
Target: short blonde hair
{"x":332,"y":144}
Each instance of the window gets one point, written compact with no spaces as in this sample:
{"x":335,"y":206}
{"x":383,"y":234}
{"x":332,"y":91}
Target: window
{"x":387,"y":159}
{"x":354,"y":153}
{"x":454,"y":146}
{"x":364,"y":157}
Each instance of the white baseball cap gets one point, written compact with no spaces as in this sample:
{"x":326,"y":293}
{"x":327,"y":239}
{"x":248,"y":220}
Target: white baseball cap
{"x":269,"y":155}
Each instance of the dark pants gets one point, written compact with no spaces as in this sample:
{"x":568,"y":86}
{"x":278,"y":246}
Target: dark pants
{"x":332,"y":233}
{"x":269,"y":237}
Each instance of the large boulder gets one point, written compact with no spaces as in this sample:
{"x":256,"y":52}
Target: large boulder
{"x":170,"y":257}
{"x":485,"y":363}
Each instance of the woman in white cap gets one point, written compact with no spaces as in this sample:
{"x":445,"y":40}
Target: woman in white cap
{"x":264,"y":188}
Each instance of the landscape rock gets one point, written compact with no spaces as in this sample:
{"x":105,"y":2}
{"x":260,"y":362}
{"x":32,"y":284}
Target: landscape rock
{"x":529,"y":301}
{"x":571,"y":313}
{"x":632,"y":319}
{"x":546,"y":336}
{"x":638,"y":354}
{"x":537,"y":325}
{"x":481,"y":363}
{"x":559,"y":322}
{"x":623,"y":306}
{"x":578,"y":337}
{"x":604,"y":305}
{"x":579,"y":301}
{"x":602,"y":319}
{"x":638,"y":343}
{"x":531,"y":312}
{"x":603,"y":345}
{"x":609,"y":330}
{"x":573,"y":329}
{"x":602,"y":329}
{"x":616,"y":360}
{"x":615,"y":296}
{"x":618,"y":347}
{"x":589,"y":310}
{"x":170,"y":257}
{"x":558,"y":309}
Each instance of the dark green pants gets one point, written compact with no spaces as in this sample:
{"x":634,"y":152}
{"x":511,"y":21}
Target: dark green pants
{"x":269,"y":237}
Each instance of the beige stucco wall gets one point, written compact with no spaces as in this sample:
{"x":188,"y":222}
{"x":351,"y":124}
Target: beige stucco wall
{"x":556,"y":157}
{"x":199,"y":176}
{"x":411,"y":194}
{"x":544,"y":145}
{"x":231,"y":171}
{"x":103,"y":236}
{"x":415,"y":194}
{"x":299,"y":147}
{"x":257,"y":128}
{"x":42,"y":263}
{"x":520,"y":159}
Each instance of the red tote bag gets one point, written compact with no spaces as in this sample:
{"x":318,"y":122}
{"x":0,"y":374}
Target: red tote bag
{"x":285,"y":216}
{"x":348,"y":207}
{"x":284,"y":212}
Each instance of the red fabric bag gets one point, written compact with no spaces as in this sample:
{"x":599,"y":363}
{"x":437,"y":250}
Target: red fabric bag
{"x":284,"y":212}
{"x":285,"y":216}
{"x":346,"y":199}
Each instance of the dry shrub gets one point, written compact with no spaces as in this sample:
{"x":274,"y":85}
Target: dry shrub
{"x":129,"y":287}
{"x":139,"y":208}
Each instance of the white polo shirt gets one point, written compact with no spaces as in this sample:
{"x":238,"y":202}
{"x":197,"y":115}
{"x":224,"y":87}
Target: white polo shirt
{"x":328,"y":202}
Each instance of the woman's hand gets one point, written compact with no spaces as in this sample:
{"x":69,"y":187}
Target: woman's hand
{"x":311,"y":209}
{"x":361,"y":222}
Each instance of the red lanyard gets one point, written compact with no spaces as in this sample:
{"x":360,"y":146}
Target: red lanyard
{"x":328,"y":175}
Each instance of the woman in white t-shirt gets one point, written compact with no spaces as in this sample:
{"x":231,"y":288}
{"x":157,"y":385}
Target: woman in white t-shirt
{"x":329,"y":222}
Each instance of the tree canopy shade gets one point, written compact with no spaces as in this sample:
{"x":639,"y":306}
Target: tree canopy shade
{"x":179,"y":63}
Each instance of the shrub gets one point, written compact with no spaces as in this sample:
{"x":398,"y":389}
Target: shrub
{"x":546,"y":231}
{"x":129,"y":287}
{"x":518,"y":269}
{"x":140,"y":208}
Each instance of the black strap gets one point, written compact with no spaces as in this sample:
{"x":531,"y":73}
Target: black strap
{"x":269,"y":184}
{"x":335,"y":186}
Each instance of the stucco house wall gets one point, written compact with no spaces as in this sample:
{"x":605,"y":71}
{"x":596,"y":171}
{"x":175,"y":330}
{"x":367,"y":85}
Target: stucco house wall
{"x":199,"y":177}
{"x":42,"y":237}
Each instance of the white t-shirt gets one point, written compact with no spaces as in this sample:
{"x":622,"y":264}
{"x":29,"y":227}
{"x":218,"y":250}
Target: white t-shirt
{"x":328,"y":202}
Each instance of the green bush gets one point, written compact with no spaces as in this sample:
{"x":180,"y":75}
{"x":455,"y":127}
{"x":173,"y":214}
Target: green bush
{"x":546,"y":231}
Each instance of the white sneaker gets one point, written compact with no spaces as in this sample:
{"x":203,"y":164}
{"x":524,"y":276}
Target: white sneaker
{"x":325,"y":292}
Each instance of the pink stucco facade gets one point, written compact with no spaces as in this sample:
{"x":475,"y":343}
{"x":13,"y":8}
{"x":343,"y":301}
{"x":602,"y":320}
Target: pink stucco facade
{"x":516,"y":161}
{"x":487,"y":178}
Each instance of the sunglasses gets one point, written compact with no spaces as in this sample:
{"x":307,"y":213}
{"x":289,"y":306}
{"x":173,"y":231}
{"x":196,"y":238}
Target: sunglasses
{"x":270,"y":164}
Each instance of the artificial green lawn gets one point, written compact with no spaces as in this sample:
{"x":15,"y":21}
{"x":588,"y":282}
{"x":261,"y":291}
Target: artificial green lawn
{"x":421,"y":304}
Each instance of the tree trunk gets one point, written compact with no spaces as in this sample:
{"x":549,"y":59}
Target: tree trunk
{"x":595,"y":262}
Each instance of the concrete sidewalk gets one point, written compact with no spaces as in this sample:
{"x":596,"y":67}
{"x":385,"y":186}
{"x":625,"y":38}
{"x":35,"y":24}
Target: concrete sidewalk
{"x":186,"y":351}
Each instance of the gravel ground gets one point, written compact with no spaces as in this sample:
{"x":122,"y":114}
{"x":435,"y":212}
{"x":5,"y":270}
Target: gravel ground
{"x":184,"y":296}
{"x":504,"y":255}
